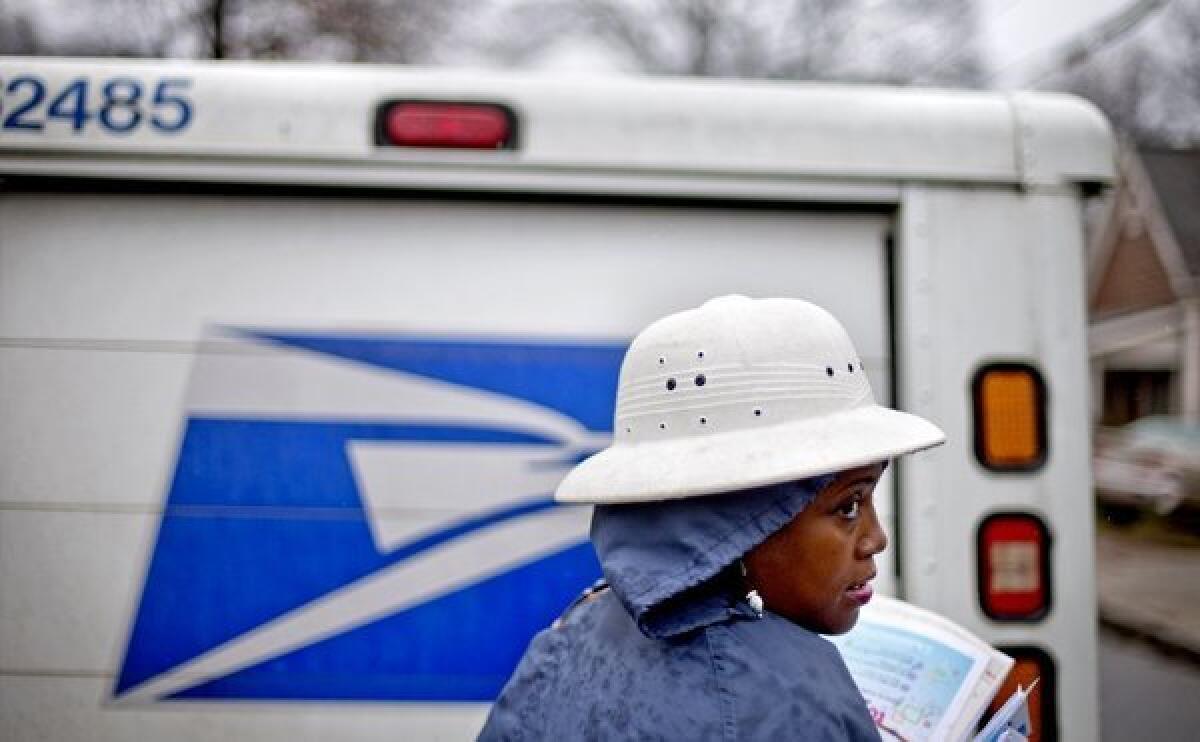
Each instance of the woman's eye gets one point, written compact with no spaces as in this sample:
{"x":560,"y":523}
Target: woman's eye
{"x":850,"y":509}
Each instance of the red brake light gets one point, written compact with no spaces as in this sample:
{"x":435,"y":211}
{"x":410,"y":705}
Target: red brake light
{"x":1013,"y":558}
{"x":446,"y":125}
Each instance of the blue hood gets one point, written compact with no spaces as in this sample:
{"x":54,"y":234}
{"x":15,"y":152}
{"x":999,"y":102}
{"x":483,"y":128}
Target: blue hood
{"x":672,"y":563}
{"x":673,"y":650}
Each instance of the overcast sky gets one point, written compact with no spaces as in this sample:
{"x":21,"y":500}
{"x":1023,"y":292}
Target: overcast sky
{"x":1016,"y":35}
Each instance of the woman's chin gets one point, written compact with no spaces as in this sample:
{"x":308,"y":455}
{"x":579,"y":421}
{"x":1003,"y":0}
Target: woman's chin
{"x":842,"y":623}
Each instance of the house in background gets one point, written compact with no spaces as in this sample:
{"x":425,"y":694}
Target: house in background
{"x":1144,"y":290}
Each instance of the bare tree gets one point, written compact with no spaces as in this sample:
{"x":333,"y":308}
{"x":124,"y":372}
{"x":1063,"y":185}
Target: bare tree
{"x":1180,"y":51}
{"x":397,"y":31}
{"x":18,"y":34}
{"x":928,"y":41}
{"x":1149,"y":84}
{"x":1118,"y":83}
{"x":124,"y":28}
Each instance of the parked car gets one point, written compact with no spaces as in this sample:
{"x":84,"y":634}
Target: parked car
{"x":1153,"y":462}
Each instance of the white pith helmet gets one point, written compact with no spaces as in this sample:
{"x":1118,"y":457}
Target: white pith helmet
{"x":740,"y":393}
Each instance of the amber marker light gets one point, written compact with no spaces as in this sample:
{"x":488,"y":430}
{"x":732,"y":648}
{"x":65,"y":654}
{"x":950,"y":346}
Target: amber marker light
{"x":1010,"y":417}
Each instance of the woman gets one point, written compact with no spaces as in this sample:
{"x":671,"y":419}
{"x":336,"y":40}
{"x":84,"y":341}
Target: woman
{"x":734,"y":523}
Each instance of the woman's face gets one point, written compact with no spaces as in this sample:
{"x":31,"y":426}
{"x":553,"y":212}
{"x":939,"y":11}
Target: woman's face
{"x":815,"y":570}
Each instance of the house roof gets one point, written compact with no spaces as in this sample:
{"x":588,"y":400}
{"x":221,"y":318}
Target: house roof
{"x":1175,"y":175}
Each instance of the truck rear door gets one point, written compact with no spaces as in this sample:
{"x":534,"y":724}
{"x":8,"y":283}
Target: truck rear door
{"x":262,"y":445}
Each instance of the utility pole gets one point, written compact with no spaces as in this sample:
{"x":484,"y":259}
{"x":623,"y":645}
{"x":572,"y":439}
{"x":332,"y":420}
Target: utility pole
{"x":1077,"y":50}
{"x":217,"y":29}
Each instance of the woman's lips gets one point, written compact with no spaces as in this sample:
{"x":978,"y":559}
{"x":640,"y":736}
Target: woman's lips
{"x":860,"y":593}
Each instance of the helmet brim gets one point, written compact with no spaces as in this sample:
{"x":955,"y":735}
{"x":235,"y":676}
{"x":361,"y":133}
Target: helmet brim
{"x":719,"y":462}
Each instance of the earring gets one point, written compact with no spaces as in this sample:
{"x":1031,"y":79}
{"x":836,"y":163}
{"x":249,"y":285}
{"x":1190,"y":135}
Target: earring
{"x":752,"y":598}
{"x":756,"y":602}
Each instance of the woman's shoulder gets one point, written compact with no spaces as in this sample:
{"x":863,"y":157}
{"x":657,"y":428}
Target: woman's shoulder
{"x":788,"y":682}
{"x":593,"y":675}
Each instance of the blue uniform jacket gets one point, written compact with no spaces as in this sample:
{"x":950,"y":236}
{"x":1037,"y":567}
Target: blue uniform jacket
{"x":670,"y":650}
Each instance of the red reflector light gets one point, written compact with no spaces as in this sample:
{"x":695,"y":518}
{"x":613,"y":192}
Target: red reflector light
{"x":446,"y":125}
{"x":1013,"y":558}
{"x":1032,"y":663}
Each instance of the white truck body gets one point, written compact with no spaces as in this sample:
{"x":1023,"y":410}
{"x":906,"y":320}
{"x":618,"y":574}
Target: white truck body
{"x":281,"y":405}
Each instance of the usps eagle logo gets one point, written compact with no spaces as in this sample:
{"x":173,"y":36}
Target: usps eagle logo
{"x":367,"y":516}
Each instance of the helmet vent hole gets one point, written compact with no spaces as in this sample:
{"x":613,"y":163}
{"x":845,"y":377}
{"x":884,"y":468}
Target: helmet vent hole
{"x":661,"y":360}
{"x":662,"y":426}
{"x":758,"y":412}
{"x":701,"y":380}
{"x":829,"y":370}
{"x":850,"y":367}
{"x":670,"y":385}
{"x":699,"y":354}
{"x":704,"y":421}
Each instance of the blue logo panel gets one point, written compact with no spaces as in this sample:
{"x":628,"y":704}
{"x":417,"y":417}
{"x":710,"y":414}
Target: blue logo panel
{"x":459,"y":647}
{"x":269,"y":544}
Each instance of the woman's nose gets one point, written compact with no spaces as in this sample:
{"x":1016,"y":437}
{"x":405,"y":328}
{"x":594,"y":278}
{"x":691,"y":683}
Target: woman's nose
{"x":873,"y":540}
